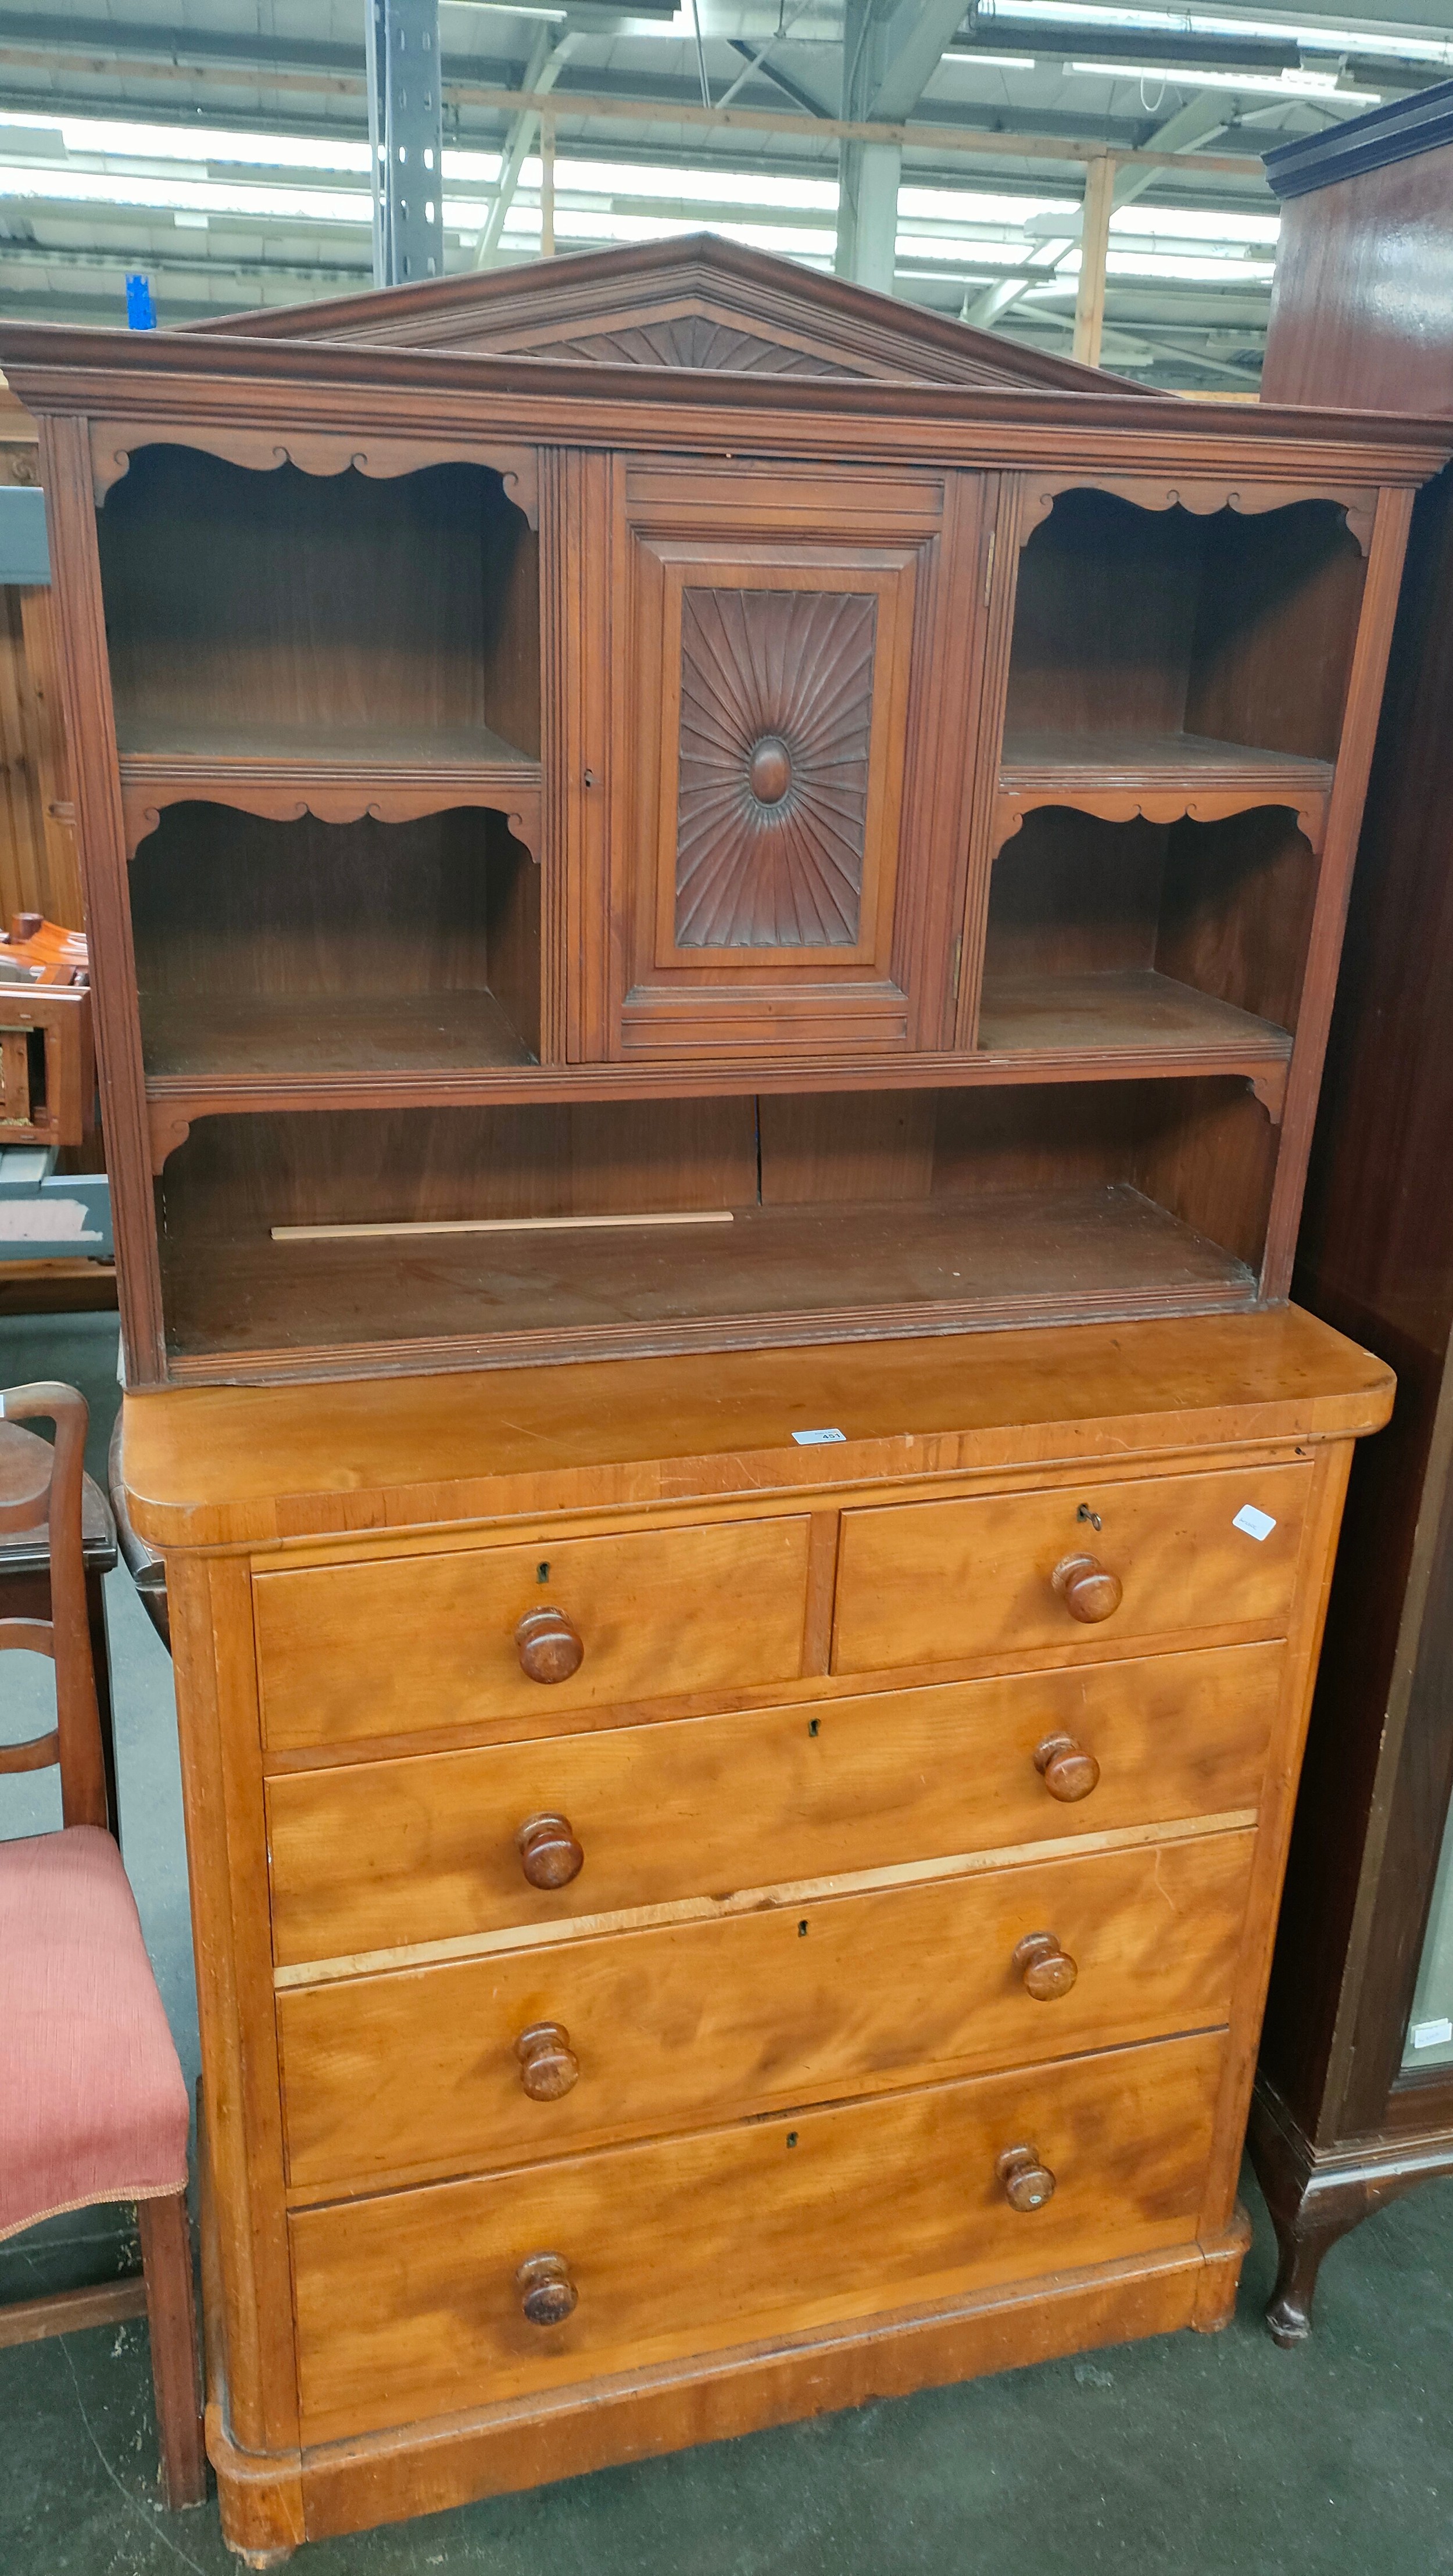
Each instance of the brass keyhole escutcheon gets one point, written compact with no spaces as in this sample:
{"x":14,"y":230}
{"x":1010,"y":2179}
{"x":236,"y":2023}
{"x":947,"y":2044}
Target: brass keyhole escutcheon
{"x":769,"y":774}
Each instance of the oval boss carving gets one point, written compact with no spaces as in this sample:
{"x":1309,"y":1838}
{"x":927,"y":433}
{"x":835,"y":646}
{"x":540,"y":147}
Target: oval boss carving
{"x":769,"y":772}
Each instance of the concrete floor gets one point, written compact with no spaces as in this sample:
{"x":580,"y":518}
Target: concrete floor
{"x":1189,"y":2456}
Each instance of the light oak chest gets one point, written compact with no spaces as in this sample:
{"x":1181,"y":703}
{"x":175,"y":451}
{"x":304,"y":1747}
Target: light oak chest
{"x":694,"y":1928}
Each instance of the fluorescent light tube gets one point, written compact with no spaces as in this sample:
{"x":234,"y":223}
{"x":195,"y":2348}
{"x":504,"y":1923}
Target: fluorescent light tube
{"x":1195,"y":22}
{"x":1313,"y":85}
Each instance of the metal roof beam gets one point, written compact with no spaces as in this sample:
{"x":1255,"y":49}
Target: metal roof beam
{"x":915,"y":39}
{"x":547,"y":61}
{"x":888,"y":61}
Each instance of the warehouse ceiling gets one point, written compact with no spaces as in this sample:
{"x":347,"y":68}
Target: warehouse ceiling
{"x":221,"y":147}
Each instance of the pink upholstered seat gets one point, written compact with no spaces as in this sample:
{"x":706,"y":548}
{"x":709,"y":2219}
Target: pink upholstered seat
{"x":93,"y":2105}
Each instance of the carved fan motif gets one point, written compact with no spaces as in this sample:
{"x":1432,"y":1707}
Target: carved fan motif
{"x":776,"y":713}
{"x":690,"y":340}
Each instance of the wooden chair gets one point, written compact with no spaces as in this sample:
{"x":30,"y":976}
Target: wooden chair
{"x":93,"y":2104}
{"x":25,"y":1570}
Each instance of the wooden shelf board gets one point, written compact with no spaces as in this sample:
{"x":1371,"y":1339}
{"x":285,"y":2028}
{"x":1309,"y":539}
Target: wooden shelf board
{"x":293,"y":755}
{"x":1136,"y":1014}
{"x":244,"y":1306}
{"x":174,"y":1097}
{"x":311,"y":1036}
{"x":1124,"y":763}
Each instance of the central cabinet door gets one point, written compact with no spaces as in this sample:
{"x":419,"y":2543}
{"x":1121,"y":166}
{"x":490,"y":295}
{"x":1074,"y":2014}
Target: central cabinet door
{"x":795,"y":679}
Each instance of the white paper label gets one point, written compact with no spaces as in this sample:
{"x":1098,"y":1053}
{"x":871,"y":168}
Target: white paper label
{"x":1431,"y":2034}
{"x":1256,"y":1524}
{"x":815,"y":1439}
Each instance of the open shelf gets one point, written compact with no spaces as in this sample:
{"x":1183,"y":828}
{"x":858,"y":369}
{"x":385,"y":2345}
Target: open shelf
{"x":195,"y":759}
{"x":1132,"y":1012}
{"x":337,"y":776}
{"x":1155,"y":947}
{"x":220,"y":1037}
{"x":774,"y":1275}
{"x":615,"y":1228}
{"x":1160,"y":648}
{"x":301,"y":751}
{"x":310,"y":949}
{"x":281,"y":629}
{"x":1164,"y":773}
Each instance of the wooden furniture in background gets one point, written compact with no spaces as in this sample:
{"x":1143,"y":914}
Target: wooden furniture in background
{"x":93,"y":2105}
{"x":47,"y":1061}
{"x":636,"y":815}
{"x":1354,"y":2101}
{"x":588,"y":1780}
{"x":39,"y":868}
{"x":669,"y":803}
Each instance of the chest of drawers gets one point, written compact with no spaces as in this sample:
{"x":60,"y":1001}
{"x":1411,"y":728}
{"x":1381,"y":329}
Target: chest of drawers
{"x":696,"y":1927}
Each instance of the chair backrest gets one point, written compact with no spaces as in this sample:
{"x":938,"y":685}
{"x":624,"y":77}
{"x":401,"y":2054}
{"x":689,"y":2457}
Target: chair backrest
{"x":43,"y":1484}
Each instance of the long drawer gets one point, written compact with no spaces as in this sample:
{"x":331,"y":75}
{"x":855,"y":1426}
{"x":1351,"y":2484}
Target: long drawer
{"x":927,"y":1583}
{"x":421,"y":2071}
{"x":411,"y":2304}
{"x":407,"y":1643}
{"x":377,"y":1854}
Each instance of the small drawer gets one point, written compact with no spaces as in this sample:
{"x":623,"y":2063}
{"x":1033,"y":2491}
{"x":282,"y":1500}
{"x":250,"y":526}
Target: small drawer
{"x":516,"y":2055}
{"x":1107,"y":1564}
{"x":406,"y":1643}
{"x":411,"y":2304}
{"x":377,"y":1855}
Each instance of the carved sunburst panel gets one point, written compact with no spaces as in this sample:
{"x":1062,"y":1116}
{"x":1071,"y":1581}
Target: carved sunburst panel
{"x":772,"y":794}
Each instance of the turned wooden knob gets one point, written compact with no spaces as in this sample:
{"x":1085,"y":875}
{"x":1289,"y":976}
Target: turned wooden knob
{"x":1087,"y":1588}
{"x":548,"y":2063}
{"x":1047,"y":1970}
{"x":547,"y":2293}
{"x":1067,"y":1770}
{"x":550,"y":1856}
{"x":551,"y":1647}
{"x":1027,"y":2183}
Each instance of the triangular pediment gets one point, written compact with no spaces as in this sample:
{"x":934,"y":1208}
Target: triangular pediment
{"x":696,"y":301}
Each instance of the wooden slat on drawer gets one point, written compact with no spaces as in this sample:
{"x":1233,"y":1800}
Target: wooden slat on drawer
{"x":404,"y":1643}
{"x":419,"y":2072}
{"x":408,"y":2305}
{"x":927,"y":1583}
{"x":374,"y":1855}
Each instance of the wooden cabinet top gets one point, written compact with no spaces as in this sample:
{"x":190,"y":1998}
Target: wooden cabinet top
{"x":252,"y":1466}
{"x":693,"y":345}
{"x":664,"y":802}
